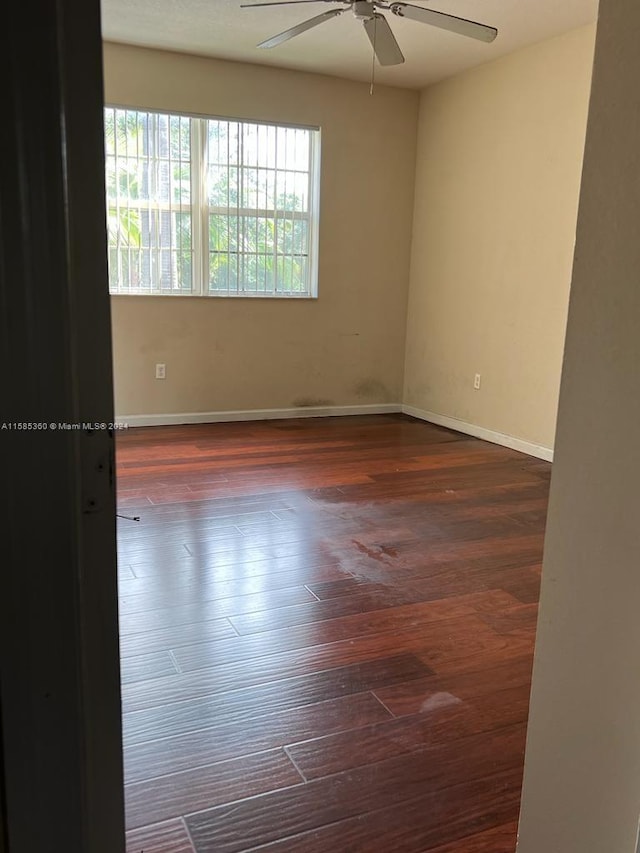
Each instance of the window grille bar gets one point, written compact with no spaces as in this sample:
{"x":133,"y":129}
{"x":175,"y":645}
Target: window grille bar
{"x":210,"y":206}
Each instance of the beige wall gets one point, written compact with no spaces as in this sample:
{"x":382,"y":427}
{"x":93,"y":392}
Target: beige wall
{"x":582,"y":771}
{"x":347,"y":347}
{"x":499,"y":159}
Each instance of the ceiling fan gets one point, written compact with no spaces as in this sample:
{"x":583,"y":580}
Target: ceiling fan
{"x":382,"y":40}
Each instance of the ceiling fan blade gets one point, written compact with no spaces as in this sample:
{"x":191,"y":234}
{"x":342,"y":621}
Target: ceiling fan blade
{"x":274,"y":41}
{"x":383,"y":41}
{"x":446,"y":22}
{"x":286,"y":3}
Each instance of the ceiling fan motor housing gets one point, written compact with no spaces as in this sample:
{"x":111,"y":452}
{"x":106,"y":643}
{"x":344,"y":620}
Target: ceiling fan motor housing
{"x":363,"y":10}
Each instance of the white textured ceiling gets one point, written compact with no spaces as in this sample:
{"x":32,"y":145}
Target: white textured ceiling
{"x":339,"y":47}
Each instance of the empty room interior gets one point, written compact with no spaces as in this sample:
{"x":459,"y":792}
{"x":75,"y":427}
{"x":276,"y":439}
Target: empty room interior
{"x":339,"y":294}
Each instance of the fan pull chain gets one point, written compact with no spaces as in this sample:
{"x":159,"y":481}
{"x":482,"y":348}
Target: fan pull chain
{"x":373,"y":56}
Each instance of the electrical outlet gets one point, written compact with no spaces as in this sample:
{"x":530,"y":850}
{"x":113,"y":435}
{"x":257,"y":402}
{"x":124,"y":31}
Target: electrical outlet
{"x":476,"y":382}
{"x":161,"y":371}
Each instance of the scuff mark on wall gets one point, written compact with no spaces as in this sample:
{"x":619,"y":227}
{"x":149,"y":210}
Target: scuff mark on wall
{"x":372,"y":389}
{"x":311,"y":402}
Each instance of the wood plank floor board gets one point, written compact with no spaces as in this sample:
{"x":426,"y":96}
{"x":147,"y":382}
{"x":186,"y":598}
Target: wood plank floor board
{"x":235,"y":737}
{"x":191,"y":715}
{"x":442,"y":718}
{"x":204,"y":511}
{"x":250,"y":461}
{"x":125,"y":572}
{"x":461,"y":580}
{"x":275,"y":484}
{"x":147,"y":666}
{"x":163,"y":551}
{"x":322,"y":611}
{"x":337,"y":800}
{"x":441,"y":652}
{"x":211,"y":583}
{"x":229,"y":567}
{"x":327,"y":631}
{"x":220,"y":522}
{"x":521,"y":620}
{"x":501,"y":839}
{"x":171,"y":530}
{"x":345,"y":586}
{"x":406,"y":699}
{"x":420,"y":621}
{"x":526,"y":588}
{"x":407,"y":828}
{"x":169,"y":796}
{"x":207,"y":609}
{"x":226,"y":672}
{"x":411,"y":826}
{"x":159,"y":639}
{"x":168,"y":837}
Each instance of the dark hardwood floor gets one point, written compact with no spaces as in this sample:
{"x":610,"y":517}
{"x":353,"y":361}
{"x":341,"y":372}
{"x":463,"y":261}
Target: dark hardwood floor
{"x":327,"y":629}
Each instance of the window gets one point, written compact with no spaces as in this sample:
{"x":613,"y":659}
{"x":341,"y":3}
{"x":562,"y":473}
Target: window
{"x":210,"y":206}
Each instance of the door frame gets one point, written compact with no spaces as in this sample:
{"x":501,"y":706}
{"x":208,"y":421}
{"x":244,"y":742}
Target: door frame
{"x":59,"y":679}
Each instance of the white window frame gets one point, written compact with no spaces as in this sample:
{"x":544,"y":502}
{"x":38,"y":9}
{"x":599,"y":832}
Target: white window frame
{"x":200,"y":210}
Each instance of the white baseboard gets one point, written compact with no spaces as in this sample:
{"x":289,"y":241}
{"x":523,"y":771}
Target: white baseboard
{"x":258,"y":414}
{"x":337,"y":411}
{"x":511,"y":441}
